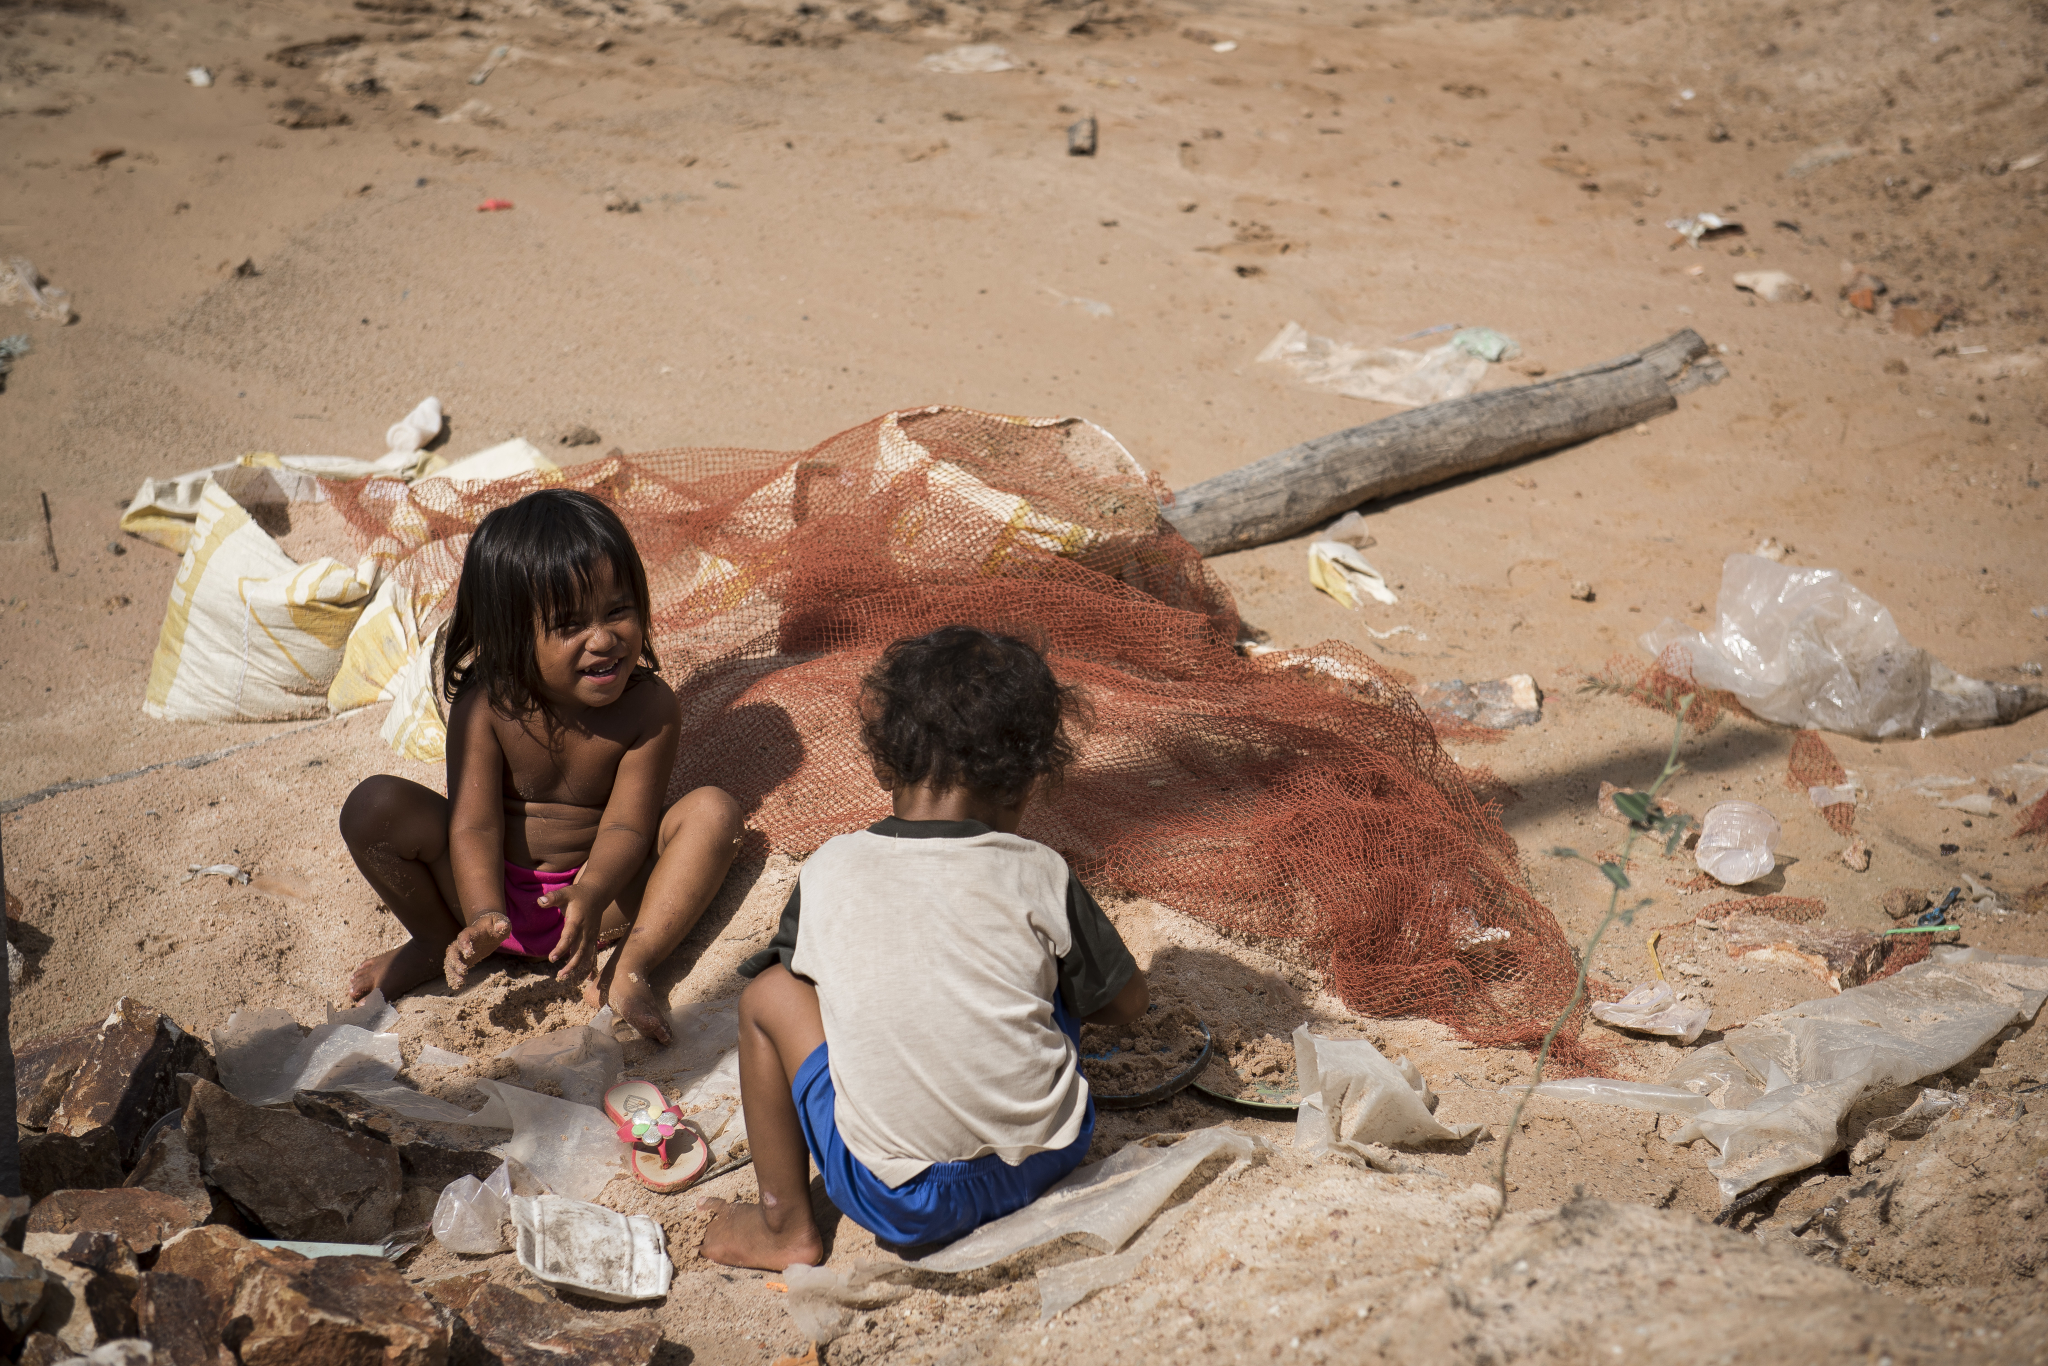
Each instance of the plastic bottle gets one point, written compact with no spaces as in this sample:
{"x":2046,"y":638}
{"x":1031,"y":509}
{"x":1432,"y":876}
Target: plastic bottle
{"x":1738,"y":842}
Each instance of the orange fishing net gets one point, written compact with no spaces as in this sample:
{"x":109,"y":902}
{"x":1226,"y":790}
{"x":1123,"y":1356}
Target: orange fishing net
{"x":2034,"y":821}
{"x":1662,"y":684}
{"x":1300,"y":795}
{"x":1812,"y":764}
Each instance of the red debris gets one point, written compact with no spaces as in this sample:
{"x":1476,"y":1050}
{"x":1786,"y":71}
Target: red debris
{"x":493,"y":205}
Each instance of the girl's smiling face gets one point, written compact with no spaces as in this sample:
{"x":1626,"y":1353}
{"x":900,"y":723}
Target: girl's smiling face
{"x":588,"y":659}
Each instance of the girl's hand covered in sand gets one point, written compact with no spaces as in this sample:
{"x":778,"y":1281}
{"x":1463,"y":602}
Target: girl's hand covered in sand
{"x":582,"y":917}
{"x":476,"y":943}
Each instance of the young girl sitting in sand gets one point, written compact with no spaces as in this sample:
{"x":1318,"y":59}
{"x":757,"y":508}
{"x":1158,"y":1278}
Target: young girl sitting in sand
{"x":917,"y":1031}
{"x":561,"y":738}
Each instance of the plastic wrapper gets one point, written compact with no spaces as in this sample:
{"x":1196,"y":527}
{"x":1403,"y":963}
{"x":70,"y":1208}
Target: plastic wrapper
{"x":1738,"y":842}
{"x":1354,"y":1099}
{"x":822,"y":1302}
{"x":1654,"y":1008}
{"x":1062,"y":1287}
{"x":582,"y":1062}
{"x":1103,"y":1203}
{"x":1385,"y":374}
{"x":1339,"y":570}
{"x":574,"y":1245}
{"x":470,"y":1215}
{"x":265,"y":1057}
{"x":1805,"y":647}
{"x":573,"y":1150}
{"x":1772,"y":1095}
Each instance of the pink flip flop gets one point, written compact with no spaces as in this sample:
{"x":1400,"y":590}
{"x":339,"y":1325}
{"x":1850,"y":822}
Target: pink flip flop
{"x":669,"y":1151}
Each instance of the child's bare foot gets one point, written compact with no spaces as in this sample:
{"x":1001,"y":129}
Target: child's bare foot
{"x":633,"y":1000}
{"x":394,"y":972}
{"x":472,"y":946}
{"x":739,"y":1235}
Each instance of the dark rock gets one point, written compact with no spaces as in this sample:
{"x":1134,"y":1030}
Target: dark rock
{"x":43,"y":1070}
{"x":295,"y":1176}
{"x":181,"y":1320}
{"x":60,"y":1162}
{"x":86,"y":1306}
{"x":129,"y":1079}
{"x":430,"y":1154}
{"x":145,"y":1219}
{"x":21,"y":1295}
{"x":167,"y":1165}
{"x":96,"y":1250}
{"x":276,"y":1308}
{"x":45,"y":1349}
{"x":498,"y":1325}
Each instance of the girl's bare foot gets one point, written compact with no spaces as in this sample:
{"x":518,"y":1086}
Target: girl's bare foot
{"x":472,"y":946}
{"x":740,"y":1235}
{"x":395,"y":971}
{"x":633,"y":1000}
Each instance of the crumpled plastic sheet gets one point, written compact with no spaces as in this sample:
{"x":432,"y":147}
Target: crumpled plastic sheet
{"x":822,"y":1302}
{"x":1654,"y":1008}
{"x":265,"y":1058}
{"x":1340,"y":571}
{"x":1060,"y":1288}
{"x":1355,"y":1101}
{"x":1385,"y":374}
{"x":470,"y":1215}
{"x":582,"y":1061}
{"x":1805,"y":647}
{"x":1103,"y":1203}
{"x":571,"y":1149}
{"x":1772,"y":1095}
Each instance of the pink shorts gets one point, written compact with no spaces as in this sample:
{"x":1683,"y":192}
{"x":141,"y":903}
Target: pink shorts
{"x":535,"y":928}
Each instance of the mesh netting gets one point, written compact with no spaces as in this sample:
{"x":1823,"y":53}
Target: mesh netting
{"x":1299,"y":796}
{"x":1662,"y":683}
{"x":2034,"y":821}
{"x":1812,"y":764}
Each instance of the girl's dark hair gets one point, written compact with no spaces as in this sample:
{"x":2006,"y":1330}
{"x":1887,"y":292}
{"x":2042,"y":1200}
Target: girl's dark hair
{"x":966,"y":707}
{"x":531,"y":565}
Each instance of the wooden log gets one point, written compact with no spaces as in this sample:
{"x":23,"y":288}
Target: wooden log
{"x":1310,"y":483}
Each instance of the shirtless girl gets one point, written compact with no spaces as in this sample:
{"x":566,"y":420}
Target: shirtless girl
{"x":552,"y":840}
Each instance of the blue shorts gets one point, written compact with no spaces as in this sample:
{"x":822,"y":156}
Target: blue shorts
{"x":946,"y":1200}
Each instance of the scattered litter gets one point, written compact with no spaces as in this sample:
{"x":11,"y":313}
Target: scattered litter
{"x":1772,"y":1094}
{"x":1429,"y":331}
{"x":1496,"y":704}
{"x":21,"y":284}
{"x":1486,"y":344}
{"x":1932,"y":785}
{"x":2026,"y":780}
{"x":1772,"y":549}
{"x":494,"y":205}
{"x":971,"y":59}
{"x":483,"y":73}
{"x":1738,"y":842}
{"x":433,"y":1055}
{"x":266,"y":1058}
{"x":822,"y":1303}
{"x":1081,"y":137}
{"x":1654,"y":1008}
{"x":1101,"y":1204}
{"x":1704,"y":227}
{"x":1972,"y":804}
{"x":1805,"y":647}
{"x":2028,"y":163}
{"x":1340,"y":571}
{"x":1396,"y":631}
{"x":415,"y":430}
{"x":1224,"y":45}
{"x":1824,"y":797}
{"x":1350,"y":529}
{"x":589,"y":1249}
{"x":199,"y":76}
{"x":1929,"y":1107}
{"x":1094,"y":308}
{"x":1810,"y":161}
{"x":1355,"y":1101}
{"x":226,"y":870}
{"x":571,"y":1149}
{"x":12,"y":349}
{"x":1384,"y":374}
{"x":580,"y":1063}
{"x":470,"y":1215}
{"x":1772,"y":286}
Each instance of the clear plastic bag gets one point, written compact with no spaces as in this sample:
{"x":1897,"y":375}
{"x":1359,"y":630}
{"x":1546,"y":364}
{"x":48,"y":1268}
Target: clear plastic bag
{"x":1805,"y":647}
{"x":1385,"y":374}
{"x":1354,"y":1099}
{"x":582,"y":1062}
{"x":1654,"y":1008}
{"x":470,"y":1215}
{"x":1738,"y":842}
{"x":266,"y":1059}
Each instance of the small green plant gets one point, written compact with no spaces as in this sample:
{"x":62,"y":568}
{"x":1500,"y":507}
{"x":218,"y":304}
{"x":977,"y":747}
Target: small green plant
{"x":1645,"y":818}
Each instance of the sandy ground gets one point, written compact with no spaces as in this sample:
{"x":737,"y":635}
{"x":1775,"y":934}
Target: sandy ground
{"x":825,"y":231}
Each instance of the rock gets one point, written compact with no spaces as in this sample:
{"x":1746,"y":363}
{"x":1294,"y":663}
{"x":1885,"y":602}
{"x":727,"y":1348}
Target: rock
{"x":177,"y":1315}
{"x":585,"y":436}
{"x":428,"y":1154}
{"x":86,"y":1306}
{"x":498,"y":1325}
{"x":96,"y":1249}
{"x":1581,"y":591}
{"x":43,"y":1070}
{"x":276,"y":1308}
{"x":145,"y":1219}
{"x":295,"y":1176}
{"x":21,"y":1295}
{"x":45,"y":1349}
{"x":167,"y":1165}
{"x":1772,"y":286}
{"x":1916,"y":322}
{"x":615,"y":202}
{"x":56,"y":1162}
{"x":1496,"y":704}
{"x":1857,"y":856}
{"x":1081,"y":137}
{"x":129,"y":1078}
{"x":120,"y":1352}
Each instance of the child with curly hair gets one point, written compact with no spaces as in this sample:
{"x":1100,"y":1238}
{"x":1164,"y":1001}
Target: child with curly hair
{"x":914,"y":1025}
